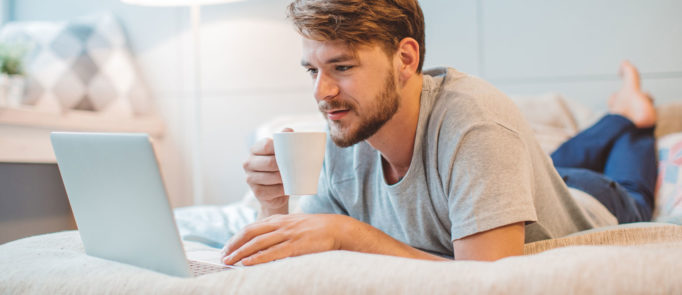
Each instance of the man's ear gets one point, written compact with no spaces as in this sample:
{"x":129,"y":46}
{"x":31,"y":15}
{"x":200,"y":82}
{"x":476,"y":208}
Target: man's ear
{"x":408,"y":58}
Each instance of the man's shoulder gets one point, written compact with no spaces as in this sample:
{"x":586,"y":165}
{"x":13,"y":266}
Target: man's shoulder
{"x":461,"y":103}
{"x":450,"y":80}
{"x":464,"y":96}
{"x":459,"y":100}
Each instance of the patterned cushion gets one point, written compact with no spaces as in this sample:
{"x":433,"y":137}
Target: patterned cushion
{"x":84,"y":64}
{"x":669,"y":184}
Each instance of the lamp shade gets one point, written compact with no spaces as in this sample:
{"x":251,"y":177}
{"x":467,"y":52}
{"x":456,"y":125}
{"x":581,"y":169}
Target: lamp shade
{"x":176,"y":2}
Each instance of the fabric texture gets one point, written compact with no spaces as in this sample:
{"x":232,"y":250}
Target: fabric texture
{"x":669,"y":184}
{"x":552,"y":119}
{"x":669,"y":118}
{"x":599,"y":215}
{"x":645,"y":262}
{"x":84,"y":64}
{"x":476,"y":166}
{"x":212,"y":225}
{"x":638,"y":233}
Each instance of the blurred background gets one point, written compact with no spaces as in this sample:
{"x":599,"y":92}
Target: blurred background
{"x":250,"y":73}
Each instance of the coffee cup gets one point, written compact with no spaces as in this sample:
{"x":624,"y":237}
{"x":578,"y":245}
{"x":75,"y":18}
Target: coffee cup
{"x":299,"y":156}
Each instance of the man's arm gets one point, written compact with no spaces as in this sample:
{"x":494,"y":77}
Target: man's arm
{"x":489,"y":245}
{"x":492,"y":244}
{"x":282,"y":236}
{"x":490,"y":193}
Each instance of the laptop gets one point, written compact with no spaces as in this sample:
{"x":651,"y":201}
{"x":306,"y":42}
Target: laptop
{"x":118,"y":199}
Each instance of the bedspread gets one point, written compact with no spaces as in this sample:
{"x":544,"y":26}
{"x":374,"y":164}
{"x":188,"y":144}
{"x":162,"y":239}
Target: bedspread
{"x":646,"y":262}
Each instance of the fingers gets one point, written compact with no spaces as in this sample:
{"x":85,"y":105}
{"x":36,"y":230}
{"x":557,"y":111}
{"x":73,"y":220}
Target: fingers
{"x":276,"y":252}
{"x":253,"y":246}
{"x":263,"y":178}
{"x":263,"y":147}
{"x":261,"y":163}
{"x":247,"y":234}
{"x":262,"y":175}
{"x":266,"y":185}
{"x":282,"y":236}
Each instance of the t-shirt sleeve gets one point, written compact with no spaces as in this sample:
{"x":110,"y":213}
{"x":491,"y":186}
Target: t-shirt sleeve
{"x":491,"y":181}
{"x":324,"y":201}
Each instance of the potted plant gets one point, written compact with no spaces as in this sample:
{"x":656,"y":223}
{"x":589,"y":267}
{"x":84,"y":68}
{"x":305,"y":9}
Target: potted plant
{"x":12,"y":79}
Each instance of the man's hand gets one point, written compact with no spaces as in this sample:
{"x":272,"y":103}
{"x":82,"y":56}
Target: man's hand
{"x":282,"y":236}
{"x":262,"y":175}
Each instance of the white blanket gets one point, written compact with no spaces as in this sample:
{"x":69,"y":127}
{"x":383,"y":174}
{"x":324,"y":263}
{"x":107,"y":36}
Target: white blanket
{"x":56,"y":264}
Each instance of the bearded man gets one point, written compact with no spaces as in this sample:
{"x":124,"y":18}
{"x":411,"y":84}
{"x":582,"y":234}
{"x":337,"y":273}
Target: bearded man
{"x":429,"y":165}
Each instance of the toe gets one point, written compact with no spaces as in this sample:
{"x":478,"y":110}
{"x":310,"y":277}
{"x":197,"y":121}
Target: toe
{"x":630,"y":75}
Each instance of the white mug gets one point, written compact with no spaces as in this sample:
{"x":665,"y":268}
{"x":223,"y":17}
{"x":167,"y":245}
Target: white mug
{"x":299,"y":157}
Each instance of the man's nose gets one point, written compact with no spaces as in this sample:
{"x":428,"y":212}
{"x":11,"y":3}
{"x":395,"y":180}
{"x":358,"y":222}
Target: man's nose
{"x":325,"y":87}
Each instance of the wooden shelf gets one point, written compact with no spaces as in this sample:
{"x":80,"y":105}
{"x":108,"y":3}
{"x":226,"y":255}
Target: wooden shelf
{"x":25,"y":133}
{"x":81,"y":121}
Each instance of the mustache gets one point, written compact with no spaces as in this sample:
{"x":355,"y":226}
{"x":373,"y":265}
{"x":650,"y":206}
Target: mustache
{"x":328,"y":105}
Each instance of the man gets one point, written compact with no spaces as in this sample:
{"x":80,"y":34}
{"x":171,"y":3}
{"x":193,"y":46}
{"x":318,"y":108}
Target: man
{"x":428,"y":165}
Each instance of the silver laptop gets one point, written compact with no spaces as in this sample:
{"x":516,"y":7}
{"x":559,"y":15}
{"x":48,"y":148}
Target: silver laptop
{"x":120,"y":205}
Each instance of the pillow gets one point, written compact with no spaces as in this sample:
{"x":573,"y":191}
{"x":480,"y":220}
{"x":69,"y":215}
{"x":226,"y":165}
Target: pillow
{"x":550,"y":118}
{"x":669,"y":183}
{"x":669,"y":118}
{"x":84,"y":64}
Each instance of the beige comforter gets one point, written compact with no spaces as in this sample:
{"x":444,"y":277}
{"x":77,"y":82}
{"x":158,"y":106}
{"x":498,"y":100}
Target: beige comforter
{"x":651,"y":263}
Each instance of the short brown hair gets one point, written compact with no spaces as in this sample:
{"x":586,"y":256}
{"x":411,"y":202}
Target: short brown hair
{"x":361,"y":22}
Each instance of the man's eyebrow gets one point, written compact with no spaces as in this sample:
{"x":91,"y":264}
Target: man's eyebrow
{"x":340,"y":58}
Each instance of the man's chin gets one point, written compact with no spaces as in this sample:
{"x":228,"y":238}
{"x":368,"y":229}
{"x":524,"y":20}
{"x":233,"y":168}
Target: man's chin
{"x":341,"y":138}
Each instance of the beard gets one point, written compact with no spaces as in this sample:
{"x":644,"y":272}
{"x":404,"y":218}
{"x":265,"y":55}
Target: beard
{"x":370,"y":120}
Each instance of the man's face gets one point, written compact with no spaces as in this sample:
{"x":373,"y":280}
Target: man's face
{"x":355,"y":91}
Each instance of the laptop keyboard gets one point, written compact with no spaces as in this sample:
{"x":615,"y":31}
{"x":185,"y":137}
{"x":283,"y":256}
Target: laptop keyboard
{"x":201,"y":268}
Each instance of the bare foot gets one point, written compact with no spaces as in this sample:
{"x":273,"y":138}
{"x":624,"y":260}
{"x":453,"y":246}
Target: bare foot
{"x":630,"y":101}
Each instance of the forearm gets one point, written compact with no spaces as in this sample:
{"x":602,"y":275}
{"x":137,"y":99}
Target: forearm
{"x":361,"y":237}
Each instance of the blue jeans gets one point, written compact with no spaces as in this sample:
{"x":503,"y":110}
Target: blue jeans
{"x":615,"y":162}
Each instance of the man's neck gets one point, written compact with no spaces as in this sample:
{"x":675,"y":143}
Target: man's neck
{"x":395,"y":140}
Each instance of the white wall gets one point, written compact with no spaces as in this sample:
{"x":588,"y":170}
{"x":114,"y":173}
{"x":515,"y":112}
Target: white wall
{"x":250,"y":58}
{"x":574,"y":47}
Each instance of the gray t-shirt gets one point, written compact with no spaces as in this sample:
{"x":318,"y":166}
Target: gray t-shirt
{"x":476,"y":166}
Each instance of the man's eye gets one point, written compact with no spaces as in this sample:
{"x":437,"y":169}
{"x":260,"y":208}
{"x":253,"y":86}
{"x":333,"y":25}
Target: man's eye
{"x":343,"y":68}
{"x":312,"y":71}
